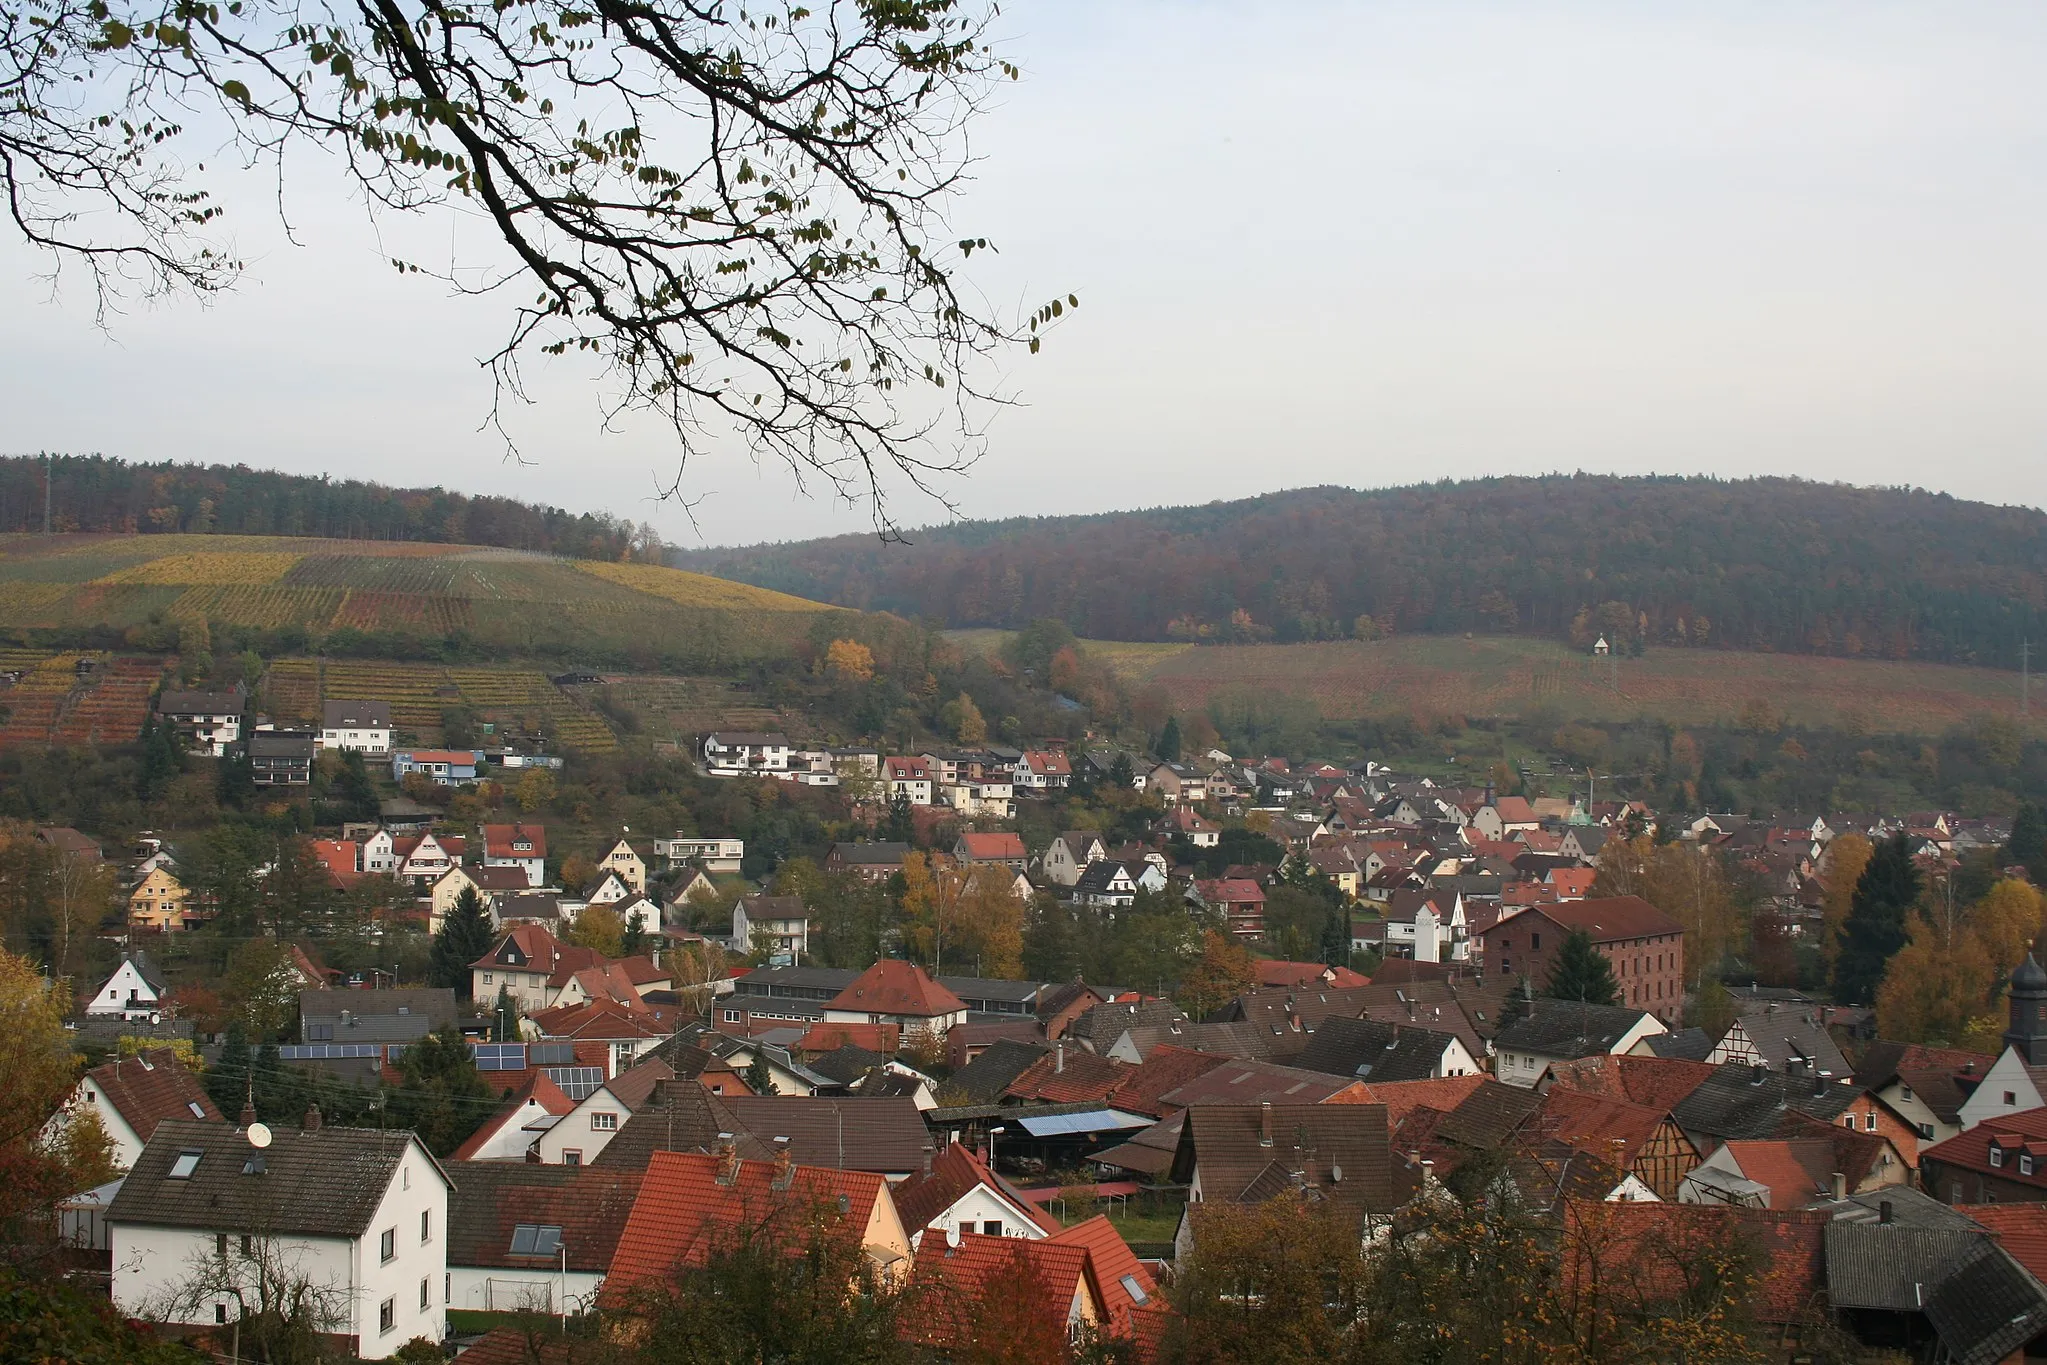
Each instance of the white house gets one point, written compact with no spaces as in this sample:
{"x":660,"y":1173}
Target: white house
{"x":535,"y":1239}
{"x":956,"y":1193}
{"x":622,"y":860}
{"x":135,"y":990}
{"x":2017,"y":1080}
{"x":1565,"y":1031}
{"x":357,"y":1216}
{"x":734,"y":753}
{"x":133,"y":1095}
{"x":781,"y":921}
{"x":713,"y":855}
{"x":1066,"y":855}
{"x":362,"y":727}
{"x":517,"y":845}
{"x":582,"y":1134}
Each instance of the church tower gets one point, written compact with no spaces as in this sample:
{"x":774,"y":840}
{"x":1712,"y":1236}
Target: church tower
{"x":2028,"y":1031}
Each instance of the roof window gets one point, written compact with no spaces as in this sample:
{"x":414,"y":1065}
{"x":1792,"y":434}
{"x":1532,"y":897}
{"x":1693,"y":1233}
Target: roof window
{"x":198,"y":1109}
{"x":1134,"y":1289}
{"x":536,"y":1239}
{"x":187,"y":1162}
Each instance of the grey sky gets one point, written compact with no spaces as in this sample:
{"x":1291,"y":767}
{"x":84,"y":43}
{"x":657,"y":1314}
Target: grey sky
{"x":1343,"y":243}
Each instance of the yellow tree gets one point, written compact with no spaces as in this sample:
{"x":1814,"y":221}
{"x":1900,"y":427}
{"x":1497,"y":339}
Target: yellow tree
{"x":849,"y":661}
{"x":598,"y":927}
{"x":1221,"y":974}
{"x":989,"y":922}
{"x":39,"y":1164}
{"x":1939,"y":992}
{"x":1846,"y":857}
{"x":2007,"y":920}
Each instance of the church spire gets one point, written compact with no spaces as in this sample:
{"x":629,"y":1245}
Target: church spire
{"x":2028,"y":999}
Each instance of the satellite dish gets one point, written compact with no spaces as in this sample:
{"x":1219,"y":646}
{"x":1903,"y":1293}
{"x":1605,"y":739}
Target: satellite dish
{"x":259,"y":1135}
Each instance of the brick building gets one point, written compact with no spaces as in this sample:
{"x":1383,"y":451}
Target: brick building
{"x":1645,"y":946}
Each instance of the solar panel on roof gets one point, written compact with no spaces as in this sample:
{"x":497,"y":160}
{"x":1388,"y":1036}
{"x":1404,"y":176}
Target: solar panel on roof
{"x":577,"y":1082}
{"x":554,"y":1054}
{"x":500,"y":1056}
{"x":326,"y":1052}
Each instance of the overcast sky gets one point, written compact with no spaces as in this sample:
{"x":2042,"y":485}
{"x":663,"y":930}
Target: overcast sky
{"x":1346,"y":243}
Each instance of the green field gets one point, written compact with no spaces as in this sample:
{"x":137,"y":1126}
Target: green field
{"x":1440,"y":675}
{"x":503,"y":601}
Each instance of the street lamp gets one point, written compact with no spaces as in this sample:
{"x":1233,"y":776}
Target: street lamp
{"x":992,"y":1133}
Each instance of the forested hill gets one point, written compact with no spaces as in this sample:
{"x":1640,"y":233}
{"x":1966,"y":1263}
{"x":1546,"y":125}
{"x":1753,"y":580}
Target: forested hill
{"x":94,"y":493}
{"x":1776,"y":564}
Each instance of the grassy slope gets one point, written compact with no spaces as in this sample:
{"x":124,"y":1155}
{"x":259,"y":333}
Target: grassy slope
{"x":517,"y":602}
{"x":1451,"y":675}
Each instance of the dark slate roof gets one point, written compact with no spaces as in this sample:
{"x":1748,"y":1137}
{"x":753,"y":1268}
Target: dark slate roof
{"x":1370,"y":1051}
{"x":1686,"y":1044}
{"x":1338,"y":1151}
{"x":1489,"y":1115}
{"x":846,"y":1063}
{"x":886,"y":1136}
{"x":491,"y":1198}
{"x":1100,"y":1027}
{"x":1566,"y":1028}
{"x":984,"y":1079}
{"x":678,"y":1116}
{"x":979,"y":990}
{"x":873,"y":854}
{"x":1987,"y":1309}
{"x":1892,"y":1265}
{"x":323,"y":1183}
{"x":1739,"y":1101}
{"x":1791,"y":1042}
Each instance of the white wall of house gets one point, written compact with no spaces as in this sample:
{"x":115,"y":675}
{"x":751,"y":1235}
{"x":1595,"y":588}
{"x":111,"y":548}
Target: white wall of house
{"x":510,"y":1141}
{"x":125,"y":994}
{"x":585,"y":1130}
{"x":2007,"y":1089}
{"x":498,"y":1289}
{"x":979,"y":1210}
{"x":128,"y":1143}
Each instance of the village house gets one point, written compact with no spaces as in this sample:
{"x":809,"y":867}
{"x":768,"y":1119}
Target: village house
{"x":1644,"y":946}
{"x":1198,"y":829}
{"x":210,"y":723}
{"x":778,"y":924}
{"x":135,"y":990}
{"x":874,"y":862}
{"x":161,"y":903}
{"x":389,"y":1016}
{"x":2003,"y":1161}
{"x":1067,"y":854}
{"x":908,"y":779}
{"x":132,"y":1096}
{"x":623,"y":861}
{"x":716,"y":856}
{"x":1043,"y":771}
{"x":740,"y":753}
{"x":517,"y":845}
{"x":362,"y":727}
{"x":896,"y":992}
{"x":1004,"y":848}
{"x":1105,"y":885}
{"x":1177,"y":784}
{"x":525,"y":1238}
{"x":1251,"y":1153}
{"x":580,"y":1136}
{"x":2017,"y":1080}
{"x":990,"y":798}
{"x":537,"y":1103}
{"x":281,"y":758}
{"x":1565,"y":1031}
{"x":1239,"y":900}
{"x":955,"y":1193}
{"x":360,"y":1215}
{"x":442,"y":767}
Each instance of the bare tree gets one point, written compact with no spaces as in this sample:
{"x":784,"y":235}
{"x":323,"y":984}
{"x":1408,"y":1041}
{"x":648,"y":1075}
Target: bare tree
{"x":737,"y":211}
{"x":281,"y":1313}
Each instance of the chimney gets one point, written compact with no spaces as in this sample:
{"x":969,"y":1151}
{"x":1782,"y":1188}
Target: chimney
{"x":1265,"y":1123}
{"x":311,"y":1123}
{"x":1059,"y":1058}
{"x":727,"y":1152}
{"x":1756,"y":1073}
{"x":1428,"y":1174}
{"x":1884,"y":1212}
{"x":248,"y":1115}
{"x":1819,"y":1083}
{"x":1840,"y":1184}
{"x":785,"y":1165}
{"x":928,"y":1154}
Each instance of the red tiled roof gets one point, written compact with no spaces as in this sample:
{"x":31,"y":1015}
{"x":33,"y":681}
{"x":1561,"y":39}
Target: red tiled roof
{"x":2021,"y":1229}
{"x":1113,"y":1262}
{"x":998,"y":847}
{"x":892,"y":986}
{"x":1305,"y":974}
{"x":541,"y":951}
{"x":1234,"y":890}
{"x":1067,"y":1075}
{"x":1167,"y":1068}
{"x":1595,"y":1123}
{"x":148,"y":1089}
{"x":1006,"y":1286}
{"x":1402,"y":1098}
{"x":511,"y":1346}
{"x":341,"y":857}
{"x":604,"y":1018}
{"x":1794,"y":1169}
{"x":882,"y":1038}
{"x":498,"y":840}
{"x":684,"y":1211}
{"x":1970,"y":1150}
{"x":1609,"y":918}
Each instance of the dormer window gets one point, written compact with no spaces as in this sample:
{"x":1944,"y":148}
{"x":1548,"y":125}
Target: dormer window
{"x":2025,"y":1163}
{"x":1996,"y":1155}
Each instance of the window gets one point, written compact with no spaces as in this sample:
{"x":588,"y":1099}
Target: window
{"x":248,"y":1244}
{"x":387,"y":1315}
{"x":572,"y":1157}
{"x":992,"y":1227}
{"x":1869,"y":1122}
{"x":1996,"y":1155}
{"x":2025,"y":1163}
{"x":220,"y":1243}
{"x":198,"y":1109}
{"x":387,"y":1245}
{"x":486,"y":978}
{"x":220,"y":1312}
{"x":2010,"y":1098}
{"x":604,"y":1122}
{"x":1133,"y":1289}
{"x":1535,"y":943}
{"x":426,"y":1226}
{"x":188,"y":1161}
{"x":536,"y":1239}
{"x":426,"y":1294}
{"x":447,"y":1288}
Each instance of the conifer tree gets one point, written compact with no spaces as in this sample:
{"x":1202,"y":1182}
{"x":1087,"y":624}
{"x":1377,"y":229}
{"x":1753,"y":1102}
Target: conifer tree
{"x":1580,"y":973}
{"x":464,"y":936}
{"x":1876,"y":927}
{"x":1169,"y":740}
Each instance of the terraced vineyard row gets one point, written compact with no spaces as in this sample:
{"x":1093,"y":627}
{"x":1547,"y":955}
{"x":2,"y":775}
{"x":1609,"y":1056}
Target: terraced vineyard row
{"x":113,"y":709}
{"x":294,"y":689}
{"x":517,"y":700}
